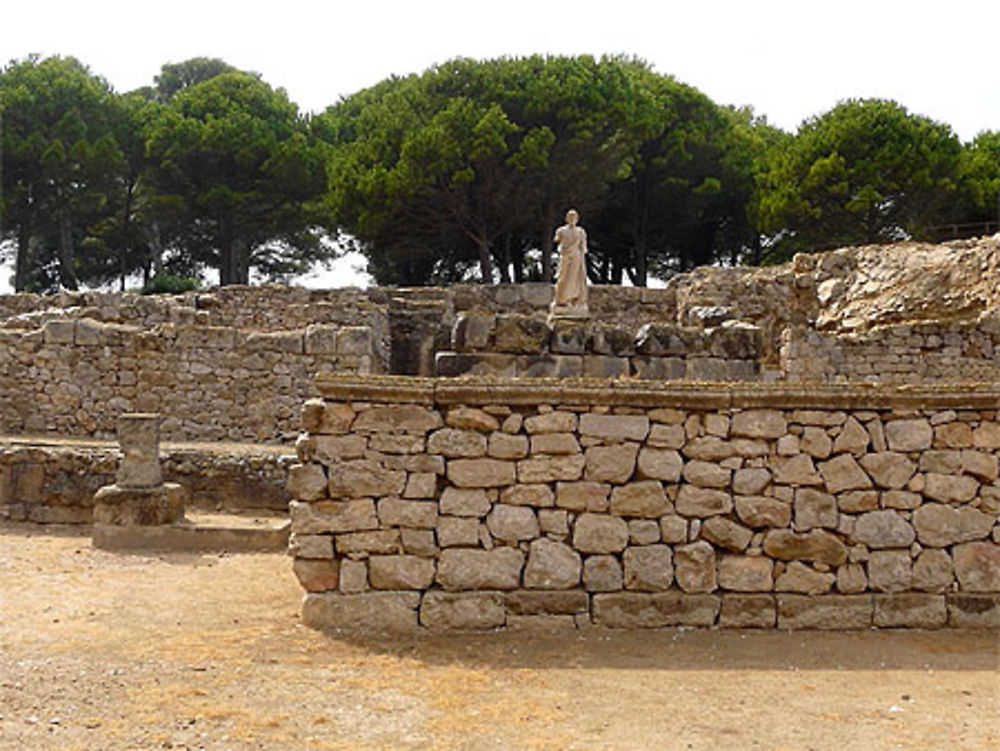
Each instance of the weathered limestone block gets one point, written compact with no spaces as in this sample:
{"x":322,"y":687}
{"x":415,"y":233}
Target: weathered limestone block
{"x":706,"y":474}
{"x":611,"y":463}
{"x":353,"y":576}
{"x":400,"y":572}
{"x":666,"y":436}
{"x":726,"y":533}
{"x":354,"y":340}
{"x":713,"y":449}
{"x":614,"y":428}
{"x":363,"y":544}
{"x":980,"y":465}
{"x":455,"y":443}
{"x":602,"y":573}
{"x":949,"y":488}
{"x":597,"y":533}
{"x":481,"y":473}
{"x":890,"y":570}
{"x":320,"y":339}
{"x":583,"y":496}
{"x":648,"y":568}
{"x":307,"y":482}
{"x":694,"y":567}
{"x":454,"y":364}
{"x":512,"y":523}
{"x":815,"y":509}
{"x":973,"y":610}
{"x":364,"y":478}
{"x":759,"y":423}
{"x":659,"y":464}
{"x":883,"y":529}
{"x":467,"y":611}
{"x":464,"y":502}
{"x":550,"y":469}
{"x":795,"y":470}
{"x":521,"y":335}
{"x":657,"y":610}
{"x":910,"y":610}
{"x":316,"y":575}
{"x":843,"y":473}
{"x":673,"y":528}
{"x":409,"y":418}
{"x":941,"y":462}
{"x":470,"y":418}
{"x":644,"y":498}
{"x":977,"y":566}
{"x":421,"y":485}
{"x":741,"y":573}
{"x":369,"y":612}
{"x":551,"y":422}
{"x":310,"y":546}
{"x":817,"y":546}
{"x":953,"y":435}
{"x":465,"y":569}
{"x":473,"y":331}
{"x":909,"y":435}
{"x":643,"y":531}
{"x":986,"y":436}
{"x":939,"y":526}
{"x":326,"y":517}
{"x":139,"y":442}
{"x":394,"y":512}
{"x":851,"y":578}
{"x":816,"y":442}
{"x":858,"y":501}
{"x":554,"y":522}
{"x":901,"y":499}
{"x":706,"y":369}
{"x":123,"y":506}
{"x":761,"y":511}
{"x":569,"y":338}
{"x":853,"y":438}
{"x":552,"y":565}
{"x":933,"y":571}
{"x":332,"y":449}
{"x":507,"y":446}
{"x":394,"y":443}
{"x":419,"y":542}
{"x":826,"y":612}
{"x":702,"y":502}
{"x":751,"y":481}
{"x":748,"y":611}
{"x":889,"y":469}
{"x":658,"y":368}
{"x":554,"y":443}
{"x":458,"y":531}
{"x":798,"y":577}
{"x":534,"y":602}
{"x":611,"y":340}
{"x":537,"y":495}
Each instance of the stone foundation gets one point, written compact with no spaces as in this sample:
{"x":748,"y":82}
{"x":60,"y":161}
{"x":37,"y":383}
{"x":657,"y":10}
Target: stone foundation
{"x":474,"y":504}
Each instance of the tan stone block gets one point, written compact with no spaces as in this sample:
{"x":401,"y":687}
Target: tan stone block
{"x":353,"y":576}
{"x":883,"y":529}
{"x":400,"y":572}
{"x":798,"y":577}
{"x":418,"y":542}
{"x":856,"y":501}
{"x":611,"y":463}
{"x":554,"y":522}
{"x":375,"y":612}
{"x":362,"y":544}
{"x":644,"y":498}
{"x":795,"y":470}
{"x":396,"y":443}
{"x":890,"y":570}
{"x":673,"y":528}
{"x":326,"y":517}
{"x":953,"y":435}
{"x":307,"y":482}
{"x":759,"y":423}
{"x":986,"y":435}
{"x":526,"y":602}
{"x":537,"y":495}
{"x":726,"y":533}
{"x":554,"y":443}
{"x":583,"y":496}
{"x":552,"y":565}
{"x":453,"y":443}
{"x":977,"y":566}
{"x":482,"y":473}
{"x":760,"y":511}
{"x":825,"y":612}
{"x":706,"y":474}
{"x":751,"y":481}
{"x":815,"y":509}
{"x":464,"y":502}
{"x":310,"y":546}
{"x":362,"y":478}
{"x":550,"y":469}
{"x":853,"y":438}
{"x":458,"y":531}
{"x":939,"y":526}
{"x":505,"y":446}
{"x":843,"y":473}
{"x":909,"y":435}
{"x":949,"y":488}
{"x":648,"y":568}
{"x":702,"y":502}
{"x":933,"y":571}
{"x":405,"y":417}
{"x":980,"y":465}
{"x":469,"y":569}
{"x":748,"y":611}
{"x":602,"y":573}
{"x":597,"y":533}
{"x":816,"y":442}
{"x":394,"y":512}
{"x":973,"y":610}
{"x":666,"y":436}
{"x":910,"y":610}
{"x":851,"y":578}
{"x":469,"y":418}
{"x":942,"y":462}
{"x":551,"y":422}
{"x":467,"y":611}
{"x":316,"y":575}
{"x":695,"y":567}
{"x":817,"y":546}
{"x":512,"y":523}
{"x":330,"y":449}
{"x":889,"y":469}
{"x":656,"y":610}
{"x":741,"y":573}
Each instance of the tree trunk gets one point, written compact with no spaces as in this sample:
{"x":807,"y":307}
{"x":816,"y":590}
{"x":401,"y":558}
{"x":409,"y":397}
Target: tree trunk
{"x":548,"y":230}
{"x":67,"y":277}
{"x":485,"y":261}
{"x":640,"y":279}
{"x":23,"y":260}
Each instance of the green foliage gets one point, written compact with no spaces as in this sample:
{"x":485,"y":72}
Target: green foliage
{"x":169,"y":284}
{"x":981,"y":181}
{"x":867,"y":171}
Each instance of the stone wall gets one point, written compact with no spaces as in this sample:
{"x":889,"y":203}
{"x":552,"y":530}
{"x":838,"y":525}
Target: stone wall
{"x":55,"y":484}
{"x":963,"y":351}
{"x":75,"y":376}
{"x":479,"y":504}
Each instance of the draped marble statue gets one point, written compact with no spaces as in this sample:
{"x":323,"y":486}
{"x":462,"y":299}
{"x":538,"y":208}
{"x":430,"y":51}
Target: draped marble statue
{"x":570,"y":298}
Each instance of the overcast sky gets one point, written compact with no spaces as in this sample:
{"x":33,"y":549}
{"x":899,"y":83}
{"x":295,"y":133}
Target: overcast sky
{"x":789,"y":60}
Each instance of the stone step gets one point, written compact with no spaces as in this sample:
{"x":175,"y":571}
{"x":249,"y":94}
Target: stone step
{"x":199,"y":532}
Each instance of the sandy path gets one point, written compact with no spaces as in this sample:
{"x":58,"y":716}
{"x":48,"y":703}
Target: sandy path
{"x":103,"y":651}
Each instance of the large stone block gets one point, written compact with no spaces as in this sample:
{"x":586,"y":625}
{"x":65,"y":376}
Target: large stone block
{"x":409,"y":418}
{"x":814,"y":509}
{"x":648,"y":568}
{"x":364,"y":478}
{"x":512,"y":523}
{"x":747,"y":611}
{"x":602,"y":573}
{"x":611,"y":463}
{"x":531,"y":602}
{"x":939,"y":526}
{"x":454,"y":443}
{"x":316,"y":575}
{"x":552,"y":565}
{"x":890,"y":570}
{"x":400,"y":572}
{"x":394,"y":512}
{"x":144,"y":507}
{"x":798,"y":577}
{"x":694,"y":567}
{"x":933,"y":571}
{"x":883,"y":529}
{"x":761,"y":511}
{"x":456,"y":531}
{"x":506,"y":446}
{"x":551,"y":422}
{"x":843,"y":473}
{"x":977,"y":566}
{"x":817,"y":546}
{"x":795,"y":470}
{"x":614,"y":427}
{"x":751,"y":481}
{"x":706,"y":474}
{"x":362,"y":544}
{"x":726,"y":533}
{"x":643,"y":498}
{"x":554,"y":443}
{"x":703,"y":502}
{"x":909,"y":435}
{"x":665,"y":465}
{"x":740,"y":573}
{"x":979,"y":464}
{"x":536,"y":495}
{"x":583,"y":496}
{"x":949,"y":488}
{"x":825,"y":612}
{"x":973,"y":611}
{"x":597,"y":533}
{"x":464,"y":502}
{"x":640,"y":610}
{"x":327,"y":517}
{"x":889,"y":469}
{"x":375,"y":612}
{"x":466,"y":611}
{"x":466,"y":569}
{"x":307,"y":482}
{"x":482,"y":473}
{"x":550,"y":469}
{"x":759,"y":423}
{"x":910,"y":610}
{"x":523,"y":335}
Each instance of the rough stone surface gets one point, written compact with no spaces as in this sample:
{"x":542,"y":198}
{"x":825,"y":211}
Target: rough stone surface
{"x":611,"y":463}
{"x":552,"y":565}
{"x":594,"y":533}
{"x":939,"y":526}
{"x":400,"y":572}
{"x":829,"y":612}
{"x":694,"y":567}
{"x":466,"y":611}
{"x":370,"y":612}
{"x":644,"y":498}
{"x":883,"y":529}
{"x":602,"y":573}
{"x":465,"y":569}
{"x":702,"y":502}
{"x":648,"y":568}
{"x":745,"y":574}
{"x":977,"y":566}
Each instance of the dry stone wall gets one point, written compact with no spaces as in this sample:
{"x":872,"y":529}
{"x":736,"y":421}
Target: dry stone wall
{"x":479,"y":504}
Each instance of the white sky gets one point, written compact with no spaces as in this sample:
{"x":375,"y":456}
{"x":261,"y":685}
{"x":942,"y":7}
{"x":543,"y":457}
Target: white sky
{"x":788,"y":59}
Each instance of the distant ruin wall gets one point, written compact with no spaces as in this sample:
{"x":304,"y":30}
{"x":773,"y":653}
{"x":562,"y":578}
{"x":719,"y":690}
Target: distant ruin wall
{"x":483,"y":503}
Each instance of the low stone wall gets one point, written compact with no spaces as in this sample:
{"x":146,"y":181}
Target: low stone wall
{"x":478,"y":504}
{"x":528,"y":347}
{"x":898,"y":353}
{"x":55,"y":484}
{"x":74,"y":377}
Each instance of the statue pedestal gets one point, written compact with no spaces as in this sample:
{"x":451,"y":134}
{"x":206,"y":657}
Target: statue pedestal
{"x":568,"y":313}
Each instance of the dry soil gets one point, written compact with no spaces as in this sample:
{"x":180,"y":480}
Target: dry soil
{"x":108,"y":651}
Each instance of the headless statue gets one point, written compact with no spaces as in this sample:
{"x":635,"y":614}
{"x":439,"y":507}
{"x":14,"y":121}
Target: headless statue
{"x":570,"y":298}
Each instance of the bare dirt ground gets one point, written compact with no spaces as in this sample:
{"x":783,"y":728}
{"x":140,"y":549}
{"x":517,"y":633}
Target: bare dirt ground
{"x":107,"y":651}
